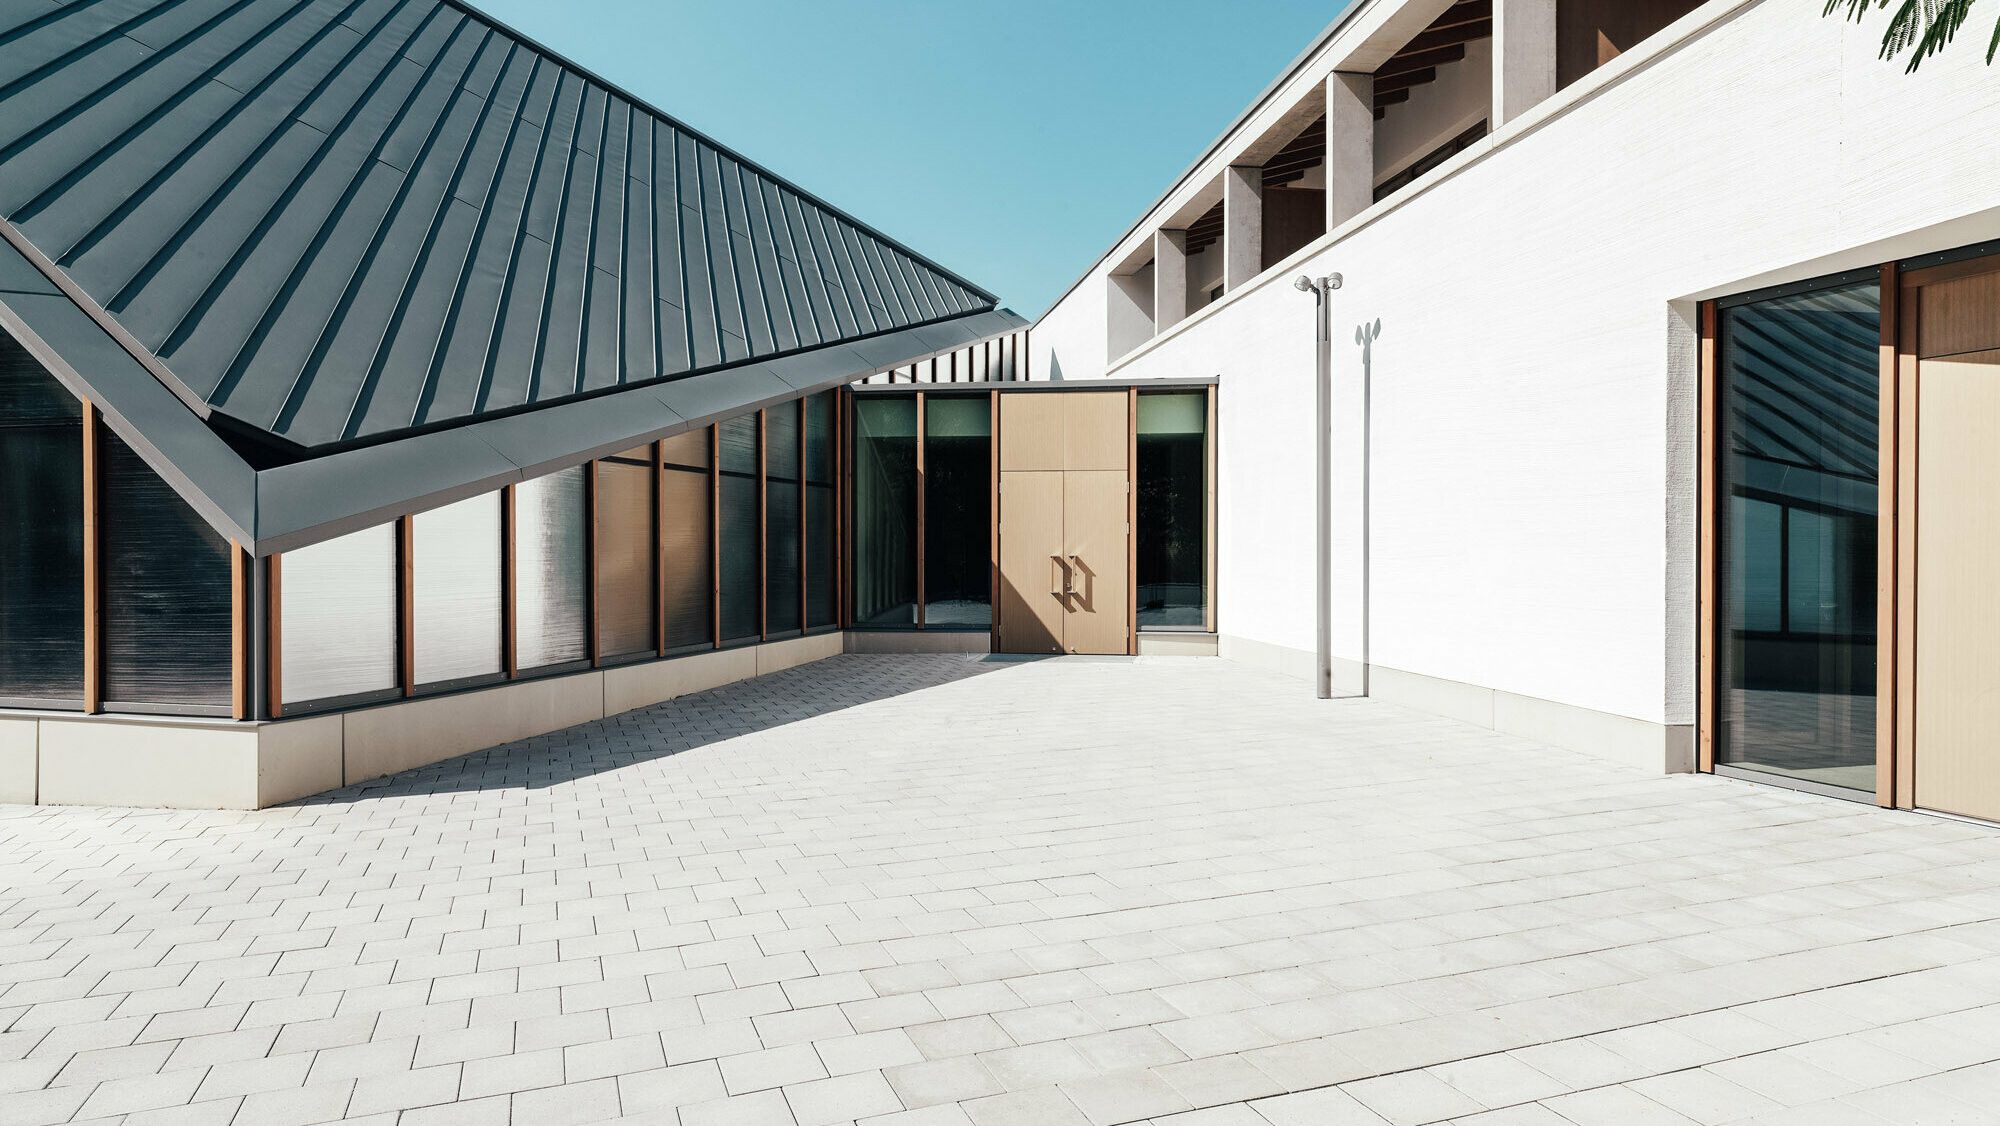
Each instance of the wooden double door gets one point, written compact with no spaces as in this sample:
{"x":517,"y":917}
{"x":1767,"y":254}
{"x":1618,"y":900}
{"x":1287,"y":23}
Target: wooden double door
{"x":1065,"y":522}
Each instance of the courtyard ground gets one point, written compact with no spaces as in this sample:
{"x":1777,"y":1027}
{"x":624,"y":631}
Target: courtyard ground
{"x":941,"y":890}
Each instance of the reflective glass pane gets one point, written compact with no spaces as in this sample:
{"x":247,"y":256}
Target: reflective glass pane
{"x":167,"y":604}
{"x":781,"y":543}
{"x":739,"y":444}
{"x":819,"y":437}
{"x":338,"y":617}
{"x":741,"y":558}
{"x":41,"y":532}
{"x":781,"y":431}
{"x":551,"y":591}
{"x":689,"y":584}
{"x":1800,"y":387}
{"x":1172,"y":510}
{"x":689,"y":449}
{"x":455,"y":611}
{"x":820,"y":549}
{"x":885,"y":510}
{"x":958,"y":511}
{"x":625,"y":507}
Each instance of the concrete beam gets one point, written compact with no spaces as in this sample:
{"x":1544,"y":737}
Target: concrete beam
{"x":1170,"y":293}
{"x":1350,"y":146}
{"x":1242,"y":224}
{"x":1524,"y":57}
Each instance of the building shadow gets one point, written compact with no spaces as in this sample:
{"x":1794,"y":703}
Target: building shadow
{"x":685,"y":723}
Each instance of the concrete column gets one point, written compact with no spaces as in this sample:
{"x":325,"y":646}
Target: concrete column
{"x":1170,"y":301}
{"x":1242,"y":225}
{"x":1524,"y":57}
{"x":1350,"y":146}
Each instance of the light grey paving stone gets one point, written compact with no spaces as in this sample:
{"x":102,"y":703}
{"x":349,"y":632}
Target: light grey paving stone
{"x":899,"y":862}
{"x":771,"y":1067}
{"x":841,"y":1098}
{"x":1327,"y":1106}
{"x":871,"y":1051}
{"x":765,"y":1108}
{"x":573,"y":1104}
{"x":1040,"y":1106}
{"x":1614,"y":1106}
{"x":1124,"y":1096}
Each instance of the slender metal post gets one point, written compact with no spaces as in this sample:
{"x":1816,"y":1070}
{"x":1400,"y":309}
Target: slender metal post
{"x":1322,"y":291}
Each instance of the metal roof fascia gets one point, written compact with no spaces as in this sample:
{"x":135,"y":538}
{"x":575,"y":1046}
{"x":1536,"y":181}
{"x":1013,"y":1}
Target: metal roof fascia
{"x":319,"y":499}
{"x":326,"y":497}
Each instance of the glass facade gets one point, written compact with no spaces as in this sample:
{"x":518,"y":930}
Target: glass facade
{"x":338,"y":610}
{"x":688,"y":578}
{"x":455,"y":586}
{"x":822,"y":540}
{"x":785,"y":596}
{"x":167,"y":604}
{"x":885,"y":510}
{"x":626,"y":615}
{"x":551,"y":561}
{"x":958,"y":511}
{"x":41,"y":534}
{"x":742,"y":539}
{"x":1172,"y":510}
{"x":1800,"y":387}
{"x":167,"y":608}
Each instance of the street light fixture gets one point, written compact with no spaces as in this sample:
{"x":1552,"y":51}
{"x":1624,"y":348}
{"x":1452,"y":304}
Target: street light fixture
{"x":1322,"y":291}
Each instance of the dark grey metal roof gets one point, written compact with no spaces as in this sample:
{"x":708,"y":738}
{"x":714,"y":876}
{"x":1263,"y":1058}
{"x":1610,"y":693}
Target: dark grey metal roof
{"x":337,"y":221}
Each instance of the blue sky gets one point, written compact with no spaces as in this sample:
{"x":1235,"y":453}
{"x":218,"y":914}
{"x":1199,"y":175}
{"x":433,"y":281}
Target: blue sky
{"x":1010,"y":143}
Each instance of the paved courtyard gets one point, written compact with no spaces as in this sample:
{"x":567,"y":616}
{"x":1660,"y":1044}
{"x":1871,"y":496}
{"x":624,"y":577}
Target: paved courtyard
{"x":933,"y":891}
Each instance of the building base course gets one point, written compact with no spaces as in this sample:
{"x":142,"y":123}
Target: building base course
{"x":178,"y":763}
{"x":1658,"y":748}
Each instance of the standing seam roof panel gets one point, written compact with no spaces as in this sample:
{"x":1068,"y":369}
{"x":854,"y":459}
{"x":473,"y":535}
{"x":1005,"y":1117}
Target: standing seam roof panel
{"x":337,"y":220}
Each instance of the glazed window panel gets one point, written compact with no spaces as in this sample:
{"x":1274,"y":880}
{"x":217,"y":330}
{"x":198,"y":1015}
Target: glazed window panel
{"x":742,"y":533}
{"x":1172,"y":510}
{"x":781,"y":523}
{"x":1799,"y":381}
{"x":168,"y":609}
{"x":551,"y":557}
{"x":455,"y":609}
{"x":822,"y":546}
{"x":41,"y":533}
{"x":626,"y":620}
{"x":338,"y":612}
{"x":689,"y":583}
{"x":885,"y":510}
{"x":958,"y":511}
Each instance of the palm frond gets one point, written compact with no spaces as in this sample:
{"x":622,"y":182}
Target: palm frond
{"x":1922,"y":27}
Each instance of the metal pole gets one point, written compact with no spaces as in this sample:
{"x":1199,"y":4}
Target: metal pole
{"x":1323,"y":479}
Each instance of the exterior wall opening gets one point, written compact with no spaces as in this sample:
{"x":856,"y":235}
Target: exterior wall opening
{"x":1799,"y":400}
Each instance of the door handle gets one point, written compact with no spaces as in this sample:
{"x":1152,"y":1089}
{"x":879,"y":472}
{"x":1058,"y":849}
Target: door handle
{"x":1056,"y":561}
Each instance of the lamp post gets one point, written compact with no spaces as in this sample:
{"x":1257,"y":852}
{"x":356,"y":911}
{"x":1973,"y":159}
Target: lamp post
{"x":1322,"y":291}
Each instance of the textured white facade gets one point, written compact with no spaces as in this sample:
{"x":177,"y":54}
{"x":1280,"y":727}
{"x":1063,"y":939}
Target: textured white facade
{"x":1516,"y":447}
